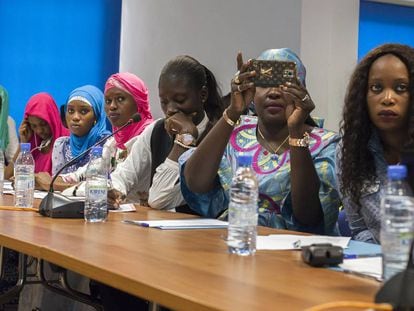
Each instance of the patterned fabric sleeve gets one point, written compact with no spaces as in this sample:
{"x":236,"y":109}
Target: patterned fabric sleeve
{"x":210,"y":204}
{"x":357,"y":223}
{"x":324,"y":163}
{"x":58,"y":156}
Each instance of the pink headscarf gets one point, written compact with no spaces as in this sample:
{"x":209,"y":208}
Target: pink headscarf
{"x":43,"y":106}
{"x":134,"y":86}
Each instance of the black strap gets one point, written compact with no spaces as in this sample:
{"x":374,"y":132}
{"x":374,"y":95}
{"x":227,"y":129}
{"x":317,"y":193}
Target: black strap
{"x":161,"y":145}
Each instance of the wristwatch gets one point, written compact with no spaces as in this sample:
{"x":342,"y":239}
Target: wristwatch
{"x":300,"y":142}
{"x":186,"y":139}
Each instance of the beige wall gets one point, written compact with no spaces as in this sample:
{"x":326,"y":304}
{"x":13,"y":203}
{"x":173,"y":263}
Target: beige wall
{"x":329,"y":49}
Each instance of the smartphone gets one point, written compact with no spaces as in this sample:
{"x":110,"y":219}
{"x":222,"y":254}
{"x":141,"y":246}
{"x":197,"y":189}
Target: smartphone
{"x":270,"y":73}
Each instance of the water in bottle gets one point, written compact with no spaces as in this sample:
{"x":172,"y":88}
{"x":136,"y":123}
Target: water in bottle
{"x":2,"y":162}
{"x":96,"y":209}
{"x":397,"y":221}
{"x":242,"y":230}
{"x":24,"y":177}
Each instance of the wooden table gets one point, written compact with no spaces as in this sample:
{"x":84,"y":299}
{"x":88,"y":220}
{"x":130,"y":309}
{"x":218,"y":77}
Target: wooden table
{"x":185,"y":270}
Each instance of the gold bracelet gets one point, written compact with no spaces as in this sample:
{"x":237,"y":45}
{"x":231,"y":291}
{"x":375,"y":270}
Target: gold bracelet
{"x":300,"y":142}
{"x":179,"y":143}
{"x":228,"y":120}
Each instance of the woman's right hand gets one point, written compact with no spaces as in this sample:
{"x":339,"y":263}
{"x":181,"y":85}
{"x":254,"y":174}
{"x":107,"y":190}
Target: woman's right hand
{"x":115,"y":198}
{"x":25,"y":132}
{"x":180,"y":123}
{"x":242,"y":89}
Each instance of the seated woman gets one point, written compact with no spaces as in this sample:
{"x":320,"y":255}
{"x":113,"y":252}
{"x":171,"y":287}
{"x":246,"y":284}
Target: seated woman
{"x":191,"y":101}
{"x":125,"y":95}
{"x":41,"y":127}
{"x":86,"y":119}
{"x":374,"y":128}
{"x":9,"y":143}
{"x":292,"y":157}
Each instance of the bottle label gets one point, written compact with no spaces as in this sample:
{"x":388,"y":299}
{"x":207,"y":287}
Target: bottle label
{"x":97,"y":190}
{"x":24,"y":182}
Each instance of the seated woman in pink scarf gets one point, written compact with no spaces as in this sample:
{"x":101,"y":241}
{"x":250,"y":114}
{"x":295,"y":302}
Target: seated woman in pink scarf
{"x":125,"y":95}
{"x":41,"y":127}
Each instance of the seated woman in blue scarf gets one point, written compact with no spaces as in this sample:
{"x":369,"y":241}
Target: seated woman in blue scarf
{"x":293,"y":157}
{"x":86,"y":120}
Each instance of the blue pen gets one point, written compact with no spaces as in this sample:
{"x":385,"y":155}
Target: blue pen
{"x":355,"y":256}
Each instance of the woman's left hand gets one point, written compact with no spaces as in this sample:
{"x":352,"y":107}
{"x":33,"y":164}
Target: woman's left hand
{"x":299,"y":106}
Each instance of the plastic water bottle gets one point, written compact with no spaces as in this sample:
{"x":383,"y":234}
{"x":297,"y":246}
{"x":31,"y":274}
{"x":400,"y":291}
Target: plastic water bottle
{"x":24,"y":183}
{"x":1,"y":170}
{"x":397,"y":221}
{"x":242,"y":230}
{"x":96,"y":209}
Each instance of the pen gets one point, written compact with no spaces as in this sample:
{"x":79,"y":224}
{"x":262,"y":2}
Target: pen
{"x":355,"y":256}
{"x":135,"y":222}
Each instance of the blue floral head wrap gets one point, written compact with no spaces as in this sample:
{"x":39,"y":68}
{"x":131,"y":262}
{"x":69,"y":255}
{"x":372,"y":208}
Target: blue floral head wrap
{"x":4,"y":114}
{"x":286,"y":54}
{"x":93,"y":96}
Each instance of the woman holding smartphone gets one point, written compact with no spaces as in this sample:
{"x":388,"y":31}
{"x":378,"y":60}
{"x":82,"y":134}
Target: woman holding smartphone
{"x":292,"y":157}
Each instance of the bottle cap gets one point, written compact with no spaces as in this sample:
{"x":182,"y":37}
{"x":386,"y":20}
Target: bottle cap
{"x":97,"y":150}
{"x":25,"y":147}
{"x":244,"y":160}
{"x":397,"y":172}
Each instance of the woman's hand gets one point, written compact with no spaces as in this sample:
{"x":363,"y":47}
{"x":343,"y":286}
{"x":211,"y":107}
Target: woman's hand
{"x":242,"y":89}
{"x":115,"y":198}
{"x":181,"y":123}
{"x":25,"y":132}
{"x":299,"y":106}
{"x":42,"y":181}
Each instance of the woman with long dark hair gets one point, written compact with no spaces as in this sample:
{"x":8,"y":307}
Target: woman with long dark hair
{"x":375,"y":128}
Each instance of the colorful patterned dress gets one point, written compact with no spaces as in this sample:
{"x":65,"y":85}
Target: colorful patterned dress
{"x":273,"y":174}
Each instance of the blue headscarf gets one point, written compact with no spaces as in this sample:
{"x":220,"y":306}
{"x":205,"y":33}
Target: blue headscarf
{"x":286,"y":54}
{"x":94,"y":97}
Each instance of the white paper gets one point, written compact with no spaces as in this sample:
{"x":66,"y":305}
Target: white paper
{"x":39,"y":194}
{"x":7,"y":185}
{"x":124,"y":208}
{"x":290,"y":241}
{"x":177,"y":224}
{"x":371,"y":267}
